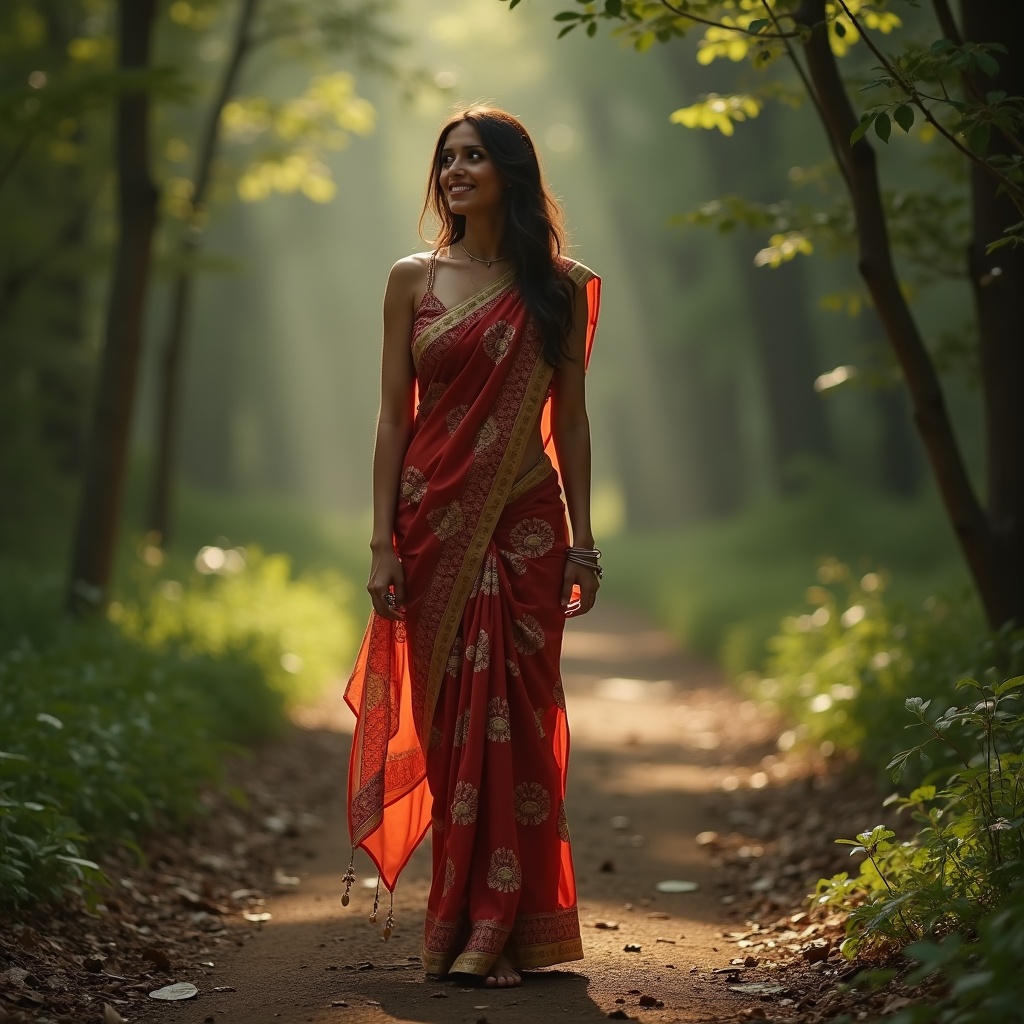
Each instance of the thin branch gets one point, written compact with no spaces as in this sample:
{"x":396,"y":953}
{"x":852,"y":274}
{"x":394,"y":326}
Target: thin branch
{"x":241,"y":47}
{"x":808,"y":85}
{"x":778,"y":34}
{"x":1015,"y":192}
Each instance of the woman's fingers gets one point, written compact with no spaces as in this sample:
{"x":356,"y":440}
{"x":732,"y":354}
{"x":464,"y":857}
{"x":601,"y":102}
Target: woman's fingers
{"x":387,"y":591}
{"x":586,"y":583}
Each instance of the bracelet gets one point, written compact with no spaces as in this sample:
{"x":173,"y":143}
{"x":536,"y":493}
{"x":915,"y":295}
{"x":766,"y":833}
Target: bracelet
{"x":588,"y":557}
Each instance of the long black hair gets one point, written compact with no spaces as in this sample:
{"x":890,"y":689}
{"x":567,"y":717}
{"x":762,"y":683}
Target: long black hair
{"x":533,"y":228}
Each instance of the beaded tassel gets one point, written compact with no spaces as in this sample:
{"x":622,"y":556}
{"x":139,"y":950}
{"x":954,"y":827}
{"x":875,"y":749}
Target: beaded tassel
{"x":389,"y":924}
{"x":376,"y":903}
{"x":348,"y":878}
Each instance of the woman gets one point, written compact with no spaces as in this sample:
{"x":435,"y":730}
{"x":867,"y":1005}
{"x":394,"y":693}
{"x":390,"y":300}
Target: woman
{"x":460,"y":714}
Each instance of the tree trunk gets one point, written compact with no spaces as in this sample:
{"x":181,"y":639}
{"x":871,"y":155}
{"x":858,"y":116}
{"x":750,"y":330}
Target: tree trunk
{"x":161,"y":497}
{"x":875,"y":263}
{"x":96,"y":530}
{"x":998,"y":283}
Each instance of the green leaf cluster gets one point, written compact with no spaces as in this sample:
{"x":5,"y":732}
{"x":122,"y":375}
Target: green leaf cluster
{"x":951,"y":896}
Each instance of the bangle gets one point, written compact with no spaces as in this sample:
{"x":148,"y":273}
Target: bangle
{"x":587,"y":557}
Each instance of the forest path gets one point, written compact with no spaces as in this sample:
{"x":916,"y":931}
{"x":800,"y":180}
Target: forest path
{"x":655,"y":735}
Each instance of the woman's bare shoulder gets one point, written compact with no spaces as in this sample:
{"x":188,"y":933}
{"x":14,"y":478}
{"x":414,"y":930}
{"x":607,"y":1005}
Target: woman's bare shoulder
{"x":409,"y":274}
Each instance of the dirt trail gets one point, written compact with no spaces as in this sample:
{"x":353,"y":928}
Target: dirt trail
{"x":655,"y":737}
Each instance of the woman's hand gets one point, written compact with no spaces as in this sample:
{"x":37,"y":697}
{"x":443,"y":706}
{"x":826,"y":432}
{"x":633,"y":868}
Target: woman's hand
{"x":586,"y":580}
{"x":386,"y":585}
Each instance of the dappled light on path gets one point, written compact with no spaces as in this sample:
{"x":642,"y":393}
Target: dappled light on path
{"x":656,"y":738}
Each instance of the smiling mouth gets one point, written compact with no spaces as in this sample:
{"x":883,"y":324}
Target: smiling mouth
{"x":456,"y":190}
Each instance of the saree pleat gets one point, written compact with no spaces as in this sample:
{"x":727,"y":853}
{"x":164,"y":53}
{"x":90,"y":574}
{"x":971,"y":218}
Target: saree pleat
{"x":461,"y":725}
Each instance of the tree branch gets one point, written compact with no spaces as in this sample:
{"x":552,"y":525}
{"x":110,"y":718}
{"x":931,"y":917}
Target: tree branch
{"x":1014,"y":191}
{"x":836,"y":153}
{"x":778,"y":34}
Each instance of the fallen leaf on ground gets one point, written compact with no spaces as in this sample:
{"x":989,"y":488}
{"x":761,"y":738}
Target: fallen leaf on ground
{"x":111,"y":1016}
{"x":257,"y":918}
{"x":676,"y":885}
{"x":608,"y":926}
{"x":631,"y":947}
{"x":172,"y":993}
{"x":758,"y":988}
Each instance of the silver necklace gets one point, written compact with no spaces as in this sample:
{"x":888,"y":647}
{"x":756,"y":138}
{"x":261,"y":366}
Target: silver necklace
{"x":476,"y":259}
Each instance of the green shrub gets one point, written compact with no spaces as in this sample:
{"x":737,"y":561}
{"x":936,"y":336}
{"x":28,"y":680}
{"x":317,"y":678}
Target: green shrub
{"x":969,"y":849}
{"x":844,"y":667}
{"x":109,"y":729}
{"x":952,"y":896}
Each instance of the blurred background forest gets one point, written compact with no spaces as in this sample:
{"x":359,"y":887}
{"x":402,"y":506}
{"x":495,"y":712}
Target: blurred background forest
{"x":746,"y":418}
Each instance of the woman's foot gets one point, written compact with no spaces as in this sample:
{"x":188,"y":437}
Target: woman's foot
{"x":503,"y":974}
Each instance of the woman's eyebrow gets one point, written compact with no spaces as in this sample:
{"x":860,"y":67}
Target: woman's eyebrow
{"x":471,"y":145}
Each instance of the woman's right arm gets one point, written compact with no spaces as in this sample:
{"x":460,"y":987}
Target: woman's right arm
{"x":394,"y":424}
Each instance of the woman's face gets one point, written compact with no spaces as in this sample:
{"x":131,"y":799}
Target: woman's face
{"x":469,"y":179}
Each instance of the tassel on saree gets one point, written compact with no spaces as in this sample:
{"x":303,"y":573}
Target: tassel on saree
{"x":349,"y":878}
{"x":389,"y":924}
{"x":376,"y":903}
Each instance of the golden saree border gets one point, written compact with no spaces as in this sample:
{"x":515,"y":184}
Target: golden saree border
{"x":504,"y":478}
{"x":537,"y":473}
{"x":459,"y":311}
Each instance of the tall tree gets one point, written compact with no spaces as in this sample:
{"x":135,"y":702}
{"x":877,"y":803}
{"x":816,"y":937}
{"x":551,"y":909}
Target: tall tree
{"x":103,"y":483}
{"x":968,"y":86}
{"x":323,"y":117}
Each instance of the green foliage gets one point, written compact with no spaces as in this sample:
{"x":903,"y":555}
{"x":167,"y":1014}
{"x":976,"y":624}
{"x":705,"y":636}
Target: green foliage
{"x":843,"y":668}
{"x":241,"y":603}
{"x":109,"y":729}
{"x":723,"y":587}
{"x":951,"y":896}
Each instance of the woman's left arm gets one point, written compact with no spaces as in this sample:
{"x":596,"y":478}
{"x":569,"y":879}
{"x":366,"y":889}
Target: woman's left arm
{"x":571,"y":433}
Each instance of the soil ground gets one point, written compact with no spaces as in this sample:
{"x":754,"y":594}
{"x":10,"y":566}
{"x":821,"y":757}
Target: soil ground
{"x":672,"y":776}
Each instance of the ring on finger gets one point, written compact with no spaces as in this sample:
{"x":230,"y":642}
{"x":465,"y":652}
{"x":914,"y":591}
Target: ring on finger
{"x":389,"y":599}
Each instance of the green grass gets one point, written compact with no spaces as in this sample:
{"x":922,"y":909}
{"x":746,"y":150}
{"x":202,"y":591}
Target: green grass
{"x":722,"y":588}
{"x":109,"y":728}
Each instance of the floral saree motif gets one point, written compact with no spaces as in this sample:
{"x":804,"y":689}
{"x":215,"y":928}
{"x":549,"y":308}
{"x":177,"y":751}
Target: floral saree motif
{"x":460,"y":715}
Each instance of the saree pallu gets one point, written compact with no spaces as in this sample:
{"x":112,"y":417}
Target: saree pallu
{"x":460,"y":715}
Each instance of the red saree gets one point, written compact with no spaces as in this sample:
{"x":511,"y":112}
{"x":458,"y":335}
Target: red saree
{"x":460,"y":715}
